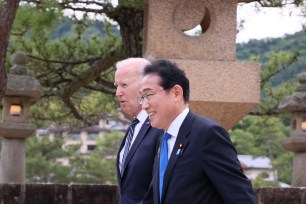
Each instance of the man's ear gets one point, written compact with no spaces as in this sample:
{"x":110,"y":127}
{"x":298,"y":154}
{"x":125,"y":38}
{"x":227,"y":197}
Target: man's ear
{"x":178,"y":92}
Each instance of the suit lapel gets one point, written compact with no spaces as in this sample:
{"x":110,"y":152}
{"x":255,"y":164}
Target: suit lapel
{"x":118,"y":157}
{"x":182,"y":138}
{"x":142,"y":132}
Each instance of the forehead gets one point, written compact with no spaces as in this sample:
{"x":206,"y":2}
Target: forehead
{"x":149,"y":82}
{"x":127,"y":71}
{"x":125,"y":74}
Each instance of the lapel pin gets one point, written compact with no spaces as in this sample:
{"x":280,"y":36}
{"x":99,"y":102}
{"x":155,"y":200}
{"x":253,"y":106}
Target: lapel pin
{"x":180,"y":150}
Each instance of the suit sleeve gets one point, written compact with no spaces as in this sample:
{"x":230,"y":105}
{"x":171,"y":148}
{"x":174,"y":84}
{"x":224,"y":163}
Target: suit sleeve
{"x":220,"y":163}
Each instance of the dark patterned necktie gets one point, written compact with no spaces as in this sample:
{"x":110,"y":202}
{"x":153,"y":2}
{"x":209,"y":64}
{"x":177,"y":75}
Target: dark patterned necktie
{"x":163,"y":161}
{"x":128,"y":141}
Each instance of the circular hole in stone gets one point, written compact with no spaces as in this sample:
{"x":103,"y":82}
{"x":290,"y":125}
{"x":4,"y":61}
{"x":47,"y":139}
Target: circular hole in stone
{"x":202,"y":27}
{"x":192,"y":17}
{"x":196,"y":31}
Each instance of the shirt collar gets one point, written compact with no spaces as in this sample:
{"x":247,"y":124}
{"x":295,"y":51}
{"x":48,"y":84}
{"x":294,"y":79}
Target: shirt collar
{"x":177,"y":123}
{"x":142,"y":116}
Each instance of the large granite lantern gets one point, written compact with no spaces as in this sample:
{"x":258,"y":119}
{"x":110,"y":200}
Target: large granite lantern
{"x":21,"y":92}
{"x":296,"y":105}
{"x":221,"y":88}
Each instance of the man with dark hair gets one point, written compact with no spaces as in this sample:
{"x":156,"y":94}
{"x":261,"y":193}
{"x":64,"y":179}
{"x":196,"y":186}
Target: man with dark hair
{"x":196,"y":161}
{"x":136,"y":154}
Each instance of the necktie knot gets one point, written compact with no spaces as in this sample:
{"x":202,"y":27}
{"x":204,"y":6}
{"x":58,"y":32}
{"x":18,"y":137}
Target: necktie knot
{"x":134,"y":122}
{"x":167,"y":136}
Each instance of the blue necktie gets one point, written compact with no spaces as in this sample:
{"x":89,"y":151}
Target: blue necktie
{"x":128,"y":141}
{"x":163,"y":161}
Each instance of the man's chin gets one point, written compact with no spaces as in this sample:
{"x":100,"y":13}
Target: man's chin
{"x":126,"y":114}
{"x":153,"y":124}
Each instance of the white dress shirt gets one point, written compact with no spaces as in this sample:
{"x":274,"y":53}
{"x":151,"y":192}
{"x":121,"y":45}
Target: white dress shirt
{"x":174,"y":129}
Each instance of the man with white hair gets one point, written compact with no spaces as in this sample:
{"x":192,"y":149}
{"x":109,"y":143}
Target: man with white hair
{"x":136,"y":153}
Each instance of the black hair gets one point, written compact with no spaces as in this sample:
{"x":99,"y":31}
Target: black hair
{"x":170,"y":75}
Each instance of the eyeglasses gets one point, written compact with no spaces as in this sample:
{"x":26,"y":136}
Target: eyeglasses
{"x":146,"y":97}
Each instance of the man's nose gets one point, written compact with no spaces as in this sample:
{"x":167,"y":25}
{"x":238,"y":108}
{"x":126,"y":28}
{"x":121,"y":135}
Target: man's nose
{"x":145,"y":105}
{"x":119,"y":92}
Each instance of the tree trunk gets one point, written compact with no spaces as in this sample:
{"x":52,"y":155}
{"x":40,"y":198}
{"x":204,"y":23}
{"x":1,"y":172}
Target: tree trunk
{"x":131,"y":32}
{"x":130,"y":21}
{"x":8,"y":9}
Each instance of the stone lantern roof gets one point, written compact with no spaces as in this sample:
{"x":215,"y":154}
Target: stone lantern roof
{"x":18,"y":83}
{"x":23,"y":86}
{"x":297,"y":101}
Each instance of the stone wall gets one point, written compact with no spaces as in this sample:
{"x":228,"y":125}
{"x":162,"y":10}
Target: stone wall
{"x":107,"y":194}
{"x":57,"y":194}
{"x":281,"y":195}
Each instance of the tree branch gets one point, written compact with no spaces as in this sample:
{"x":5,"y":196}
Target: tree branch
{"x":91,"y":74}
{"x":270,"y":112}
{"x":87,"y":77}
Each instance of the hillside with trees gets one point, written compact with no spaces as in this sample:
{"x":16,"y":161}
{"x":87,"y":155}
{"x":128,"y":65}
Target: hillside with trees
{"x":261,"y":132}
{"x":295,"y":44}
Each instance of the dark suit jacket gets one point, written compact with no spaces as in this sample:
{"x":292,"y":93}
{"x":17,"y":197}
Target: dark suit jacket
{"x":137,"y":175}
{"x":206,"y":170}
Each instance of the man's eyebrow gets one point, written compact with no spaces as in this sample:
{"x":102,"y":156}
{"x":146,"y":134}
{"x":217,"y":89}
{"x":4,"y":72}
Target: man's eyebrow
{"x":145,"y":90}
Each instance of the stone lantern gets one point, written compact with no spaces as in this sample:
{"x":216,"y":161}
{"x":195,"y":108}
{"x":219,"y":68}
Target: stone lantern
{"x":296,"y":105}
{"x":21,"y":92}
{"x":220,"y":87}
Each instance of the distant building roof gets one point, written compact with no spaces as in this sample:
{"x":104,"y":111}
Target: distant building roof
{"x":258,"y":162}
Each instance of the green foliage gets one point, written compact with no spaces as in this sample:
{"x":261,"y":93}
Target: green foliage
{"x":260,"y":182}
{"x":131,"y":3}
{"x":278,"y":51}
{"x":272,"y":96}
{"x":284,"y":165}
{"x":57,"y":60}
{"x":44,"y":161}
{"x":262,"y":136}
{"x":261,"y":133}
{"x":41,"y":162}
{"x":100,"y":165}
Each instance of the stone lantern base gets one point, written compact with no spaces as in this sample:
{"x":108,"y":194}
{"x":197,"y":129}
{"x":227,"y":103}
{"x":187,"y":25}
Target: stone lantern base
{"x":295,"y":144}
{"x":16,"y":130}
{"x":298,"y":146}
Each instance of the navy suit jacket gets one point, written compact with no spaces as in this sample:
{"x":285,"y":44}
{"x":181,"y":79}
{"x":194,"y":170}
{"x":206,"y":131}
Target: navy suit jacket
{"x":138,"y":170}
{"x":205,"y":169}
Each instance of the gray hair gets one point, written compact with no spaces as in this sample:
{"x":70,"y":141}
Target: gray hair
{"x":141,"y":62}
